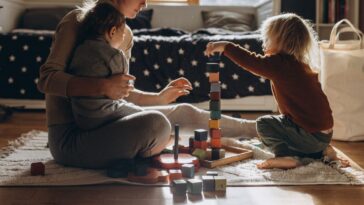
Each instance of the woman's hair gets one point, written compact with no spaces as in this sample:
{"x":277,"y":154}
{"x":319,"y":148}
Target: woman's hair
{"x":290,"y":34}
{"x":100,"y":19}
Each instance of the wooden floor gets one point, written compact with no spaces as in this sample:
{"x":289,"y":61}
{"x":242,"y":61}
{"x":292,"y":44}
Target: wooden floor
{"x":117,"y":194}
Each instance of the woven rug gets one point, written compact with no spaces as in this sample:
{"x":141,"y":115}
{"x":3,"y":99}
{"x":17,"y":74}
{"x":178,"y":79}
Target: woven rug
{"x":31,"y":147}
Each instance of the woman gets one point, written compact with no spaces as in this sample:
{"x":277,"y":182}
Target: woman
{"x":144,"y":133}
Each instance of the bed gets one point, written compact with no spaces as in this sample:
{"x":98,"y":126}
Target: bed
{"x":158,"y":56}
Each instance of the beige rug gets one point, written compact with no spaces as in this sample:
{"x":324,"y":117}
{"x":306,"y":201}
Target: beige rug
{"x":15,"y":163}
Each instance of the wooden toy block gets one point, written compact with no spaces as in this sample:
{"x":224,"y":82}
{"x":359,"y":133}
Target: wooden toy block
{"x":215,"y":58}
{"x":215,"y":96}
{"x":208,"y":183}
{"x":153,"y":176}
{"x":212,"y":67}
{"x":215,"y":114}
{"x":199,"y":153}
{"x":215,"y":142}
{"x":194,"y":186}
{"x":215,"y":133}
{"x":215,"y":105}
{"x":215,"y":154}
{"x":232,"y":154}
{"x":167,"y":161}
{"x":37,"y":169}
{"x":188,"y":170}
{"x":175,"y":174}
{"x":214,"y":77}
{"x":201,"y":135}
{"x":197,"y":144}
{"x":212,"y":173}
{"x":220,"y":183}
{"x":191,"y":142}
{"x":214,"y":124}
{"x":179,"y":187}
{"x":215,"y":87}
{"x":208,"y":153}
{"x":183,"y":149}
{"x":203,"y":145}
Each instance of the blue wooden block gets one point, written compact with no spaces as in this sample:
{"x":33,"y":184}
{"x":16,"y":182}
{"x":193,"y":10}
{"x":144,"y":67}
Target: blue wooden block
{"x":215,"y":87}
{"x":201,"y":134}
{"x":194,"y":186}
{"x":179,"y":187}
{"x":215,"y":105}
{"x":215,"y":114}
{"x":213,"y":67}
{"x":208,"y":183}
{"x":188,"y":170}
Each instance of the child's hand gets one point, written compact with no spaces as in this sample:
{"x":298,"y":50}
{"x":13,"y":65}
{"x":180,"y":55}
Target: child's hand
{"x":215,"y":47}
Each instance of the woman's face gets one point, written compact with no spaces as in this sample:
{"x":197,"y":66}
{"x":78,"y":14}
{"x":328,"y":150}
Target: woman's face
{"x":130,"y":8}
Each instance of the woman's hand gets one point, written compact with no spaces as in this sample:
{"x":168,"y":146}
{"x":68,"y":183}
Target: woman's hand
{"x":174,"y":90}
{"x":215,"y":47}
{"x":118,"y":86}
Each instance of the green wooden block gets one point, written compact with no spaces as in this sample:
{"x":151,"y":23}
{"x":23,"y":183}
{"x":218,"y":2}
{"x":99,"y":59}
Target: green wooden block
{"x":194,"y":186}
{"x":215,"y":114}
{"x":199,"y":153}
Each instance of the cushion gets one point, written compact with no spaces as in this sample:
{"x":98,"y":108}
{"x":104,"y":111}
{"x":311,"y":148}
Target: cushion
{"x":142,"y":20}
{"x":42,"y":18}
{"x":228,"y":20}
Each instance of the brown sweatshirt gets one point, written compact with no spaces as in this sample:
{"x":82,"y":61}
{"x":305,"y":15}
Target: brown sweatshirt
{"x":294,"y":85}
{"x":53,"y":80}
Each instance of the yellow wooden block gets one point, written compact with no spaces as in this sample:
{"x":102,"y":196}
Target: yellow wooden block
{"x":214,"y":77}
{"x":214,"y":124}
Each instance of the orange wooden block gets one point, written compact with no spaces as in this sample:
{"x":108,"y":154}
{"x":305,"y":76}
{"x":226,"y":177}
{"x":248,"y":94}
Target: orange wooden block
{"x":215,"y":142}
{"x":214,"y":124}
{"x":175,"y":174}
{"x":214,"y":77}
{"x":215,"y":133}
{"x":153,"y":176}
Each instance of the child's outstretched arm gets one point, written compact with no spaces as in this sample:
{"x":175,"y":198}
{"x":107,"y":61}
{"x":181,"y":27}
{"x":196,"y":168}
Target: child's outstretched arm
{"x":257,"y":64}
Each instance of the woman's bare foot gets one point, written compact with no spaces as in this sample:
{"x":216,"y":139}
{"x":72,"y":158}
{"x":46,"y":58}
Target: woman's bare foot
{"x":280,"y":163}
{"x":332,"y":155}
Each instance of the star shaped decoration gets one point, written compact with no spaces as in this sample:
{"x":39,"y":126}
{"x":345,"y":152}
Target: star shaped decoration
{"x":224,"y":86}
{"x":146,"y":72}
{"x":237,"y":96}
{"x":207,"y":74}
{"x":132,"y":59}
{"x":262,"y":80}
{"x":25,"y":47}
{"x":157,"y":46}
{"x":235,"y":76}
{"x":24,"y":69}
{"x":158,"y":86}
{"x":12,"y":58}
{"x":22,"y":91}
{"x":194,"y":62}
{"x":194,"y":43}
{"x":15,"y":37}
{"x":181,"y":51}
{"x":196,"y":84}
{"x":38,"y":59}
{"x":10,"y":80}
{"x":251,"y":89}
{"x":36,"y":81}
{"x":222,"y":65}
{"x":246,"y":46}
{"x":169,"y":80}
{"x":156,"y":66}
{"x":146,"y":52}
{"x":169,"y":60}
{"x":181,"y":72}
{"x":41,"y":38}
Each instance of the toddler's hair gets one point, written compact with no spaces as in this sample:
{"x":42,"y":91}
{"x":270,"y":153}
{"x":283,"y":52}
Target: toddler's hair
{"x":290,"y":34}
{"x":99,"y":20}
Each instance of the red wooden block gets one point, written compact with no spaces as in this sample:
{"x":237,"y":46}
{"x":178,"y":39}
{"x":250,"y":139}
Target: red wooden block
{"x":37,"y":169}
{"x":175,"y":174}
{"x":183,"y":149}
{"x":215,"y":96}
{"x":215,"y":142}
{"x":196,"y":144}
{"x":215,"y":133}
{"x":203,"y":145}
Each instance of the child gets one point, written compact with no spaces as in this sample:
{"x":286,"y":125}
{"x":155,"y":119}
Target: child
{"x":304,"y":128}
{"x":101,"y":34}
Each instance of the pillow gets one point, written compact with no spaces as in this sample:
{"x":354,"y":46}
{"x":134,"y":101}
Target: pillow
{"x":42,"y":18}
{"x":142,"y":20}
{"x":228,"y":20}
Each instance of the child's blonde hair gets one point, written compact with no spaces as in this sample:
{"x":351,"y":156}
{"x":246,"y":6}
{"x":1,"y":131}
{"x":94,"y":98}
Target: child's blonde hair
{"x":290,"y":34}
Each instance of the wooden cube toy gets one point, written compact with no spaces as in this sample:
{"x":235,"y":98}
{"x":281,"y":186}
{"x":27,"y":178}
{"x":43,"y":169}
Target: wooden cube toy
{"x":215,"y":96}
{"x":215,"y":142}
{"x":208,"y":183}
{"x":215,"y":133}
{"x":212,"y":173}
{"x":201,"y":135}
{"x":37,"y":169}
{"x":194,"y":186}
{"x":214,"y":77}
{"x":212,"y":67}
{"x":199,"y":153}
{"x":179,"y":186}
{"x":215,"y":114}
{"x":215,"y":105}
{"x":217,"y":154}
{"x":220,"y":183}
{"x":215,"y":87}
{"x":175,"y":174}
{"x":188,"y":170}
{"x":214,"y":124}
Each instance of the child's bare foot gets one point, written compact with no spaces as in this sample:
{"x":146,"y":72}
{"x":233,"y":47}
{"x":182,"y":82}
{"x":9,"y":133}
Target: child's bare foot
{"x":280,"y":163}
{"x":332,"y":155}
